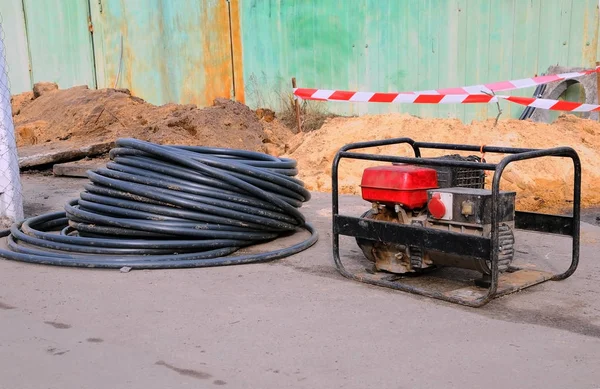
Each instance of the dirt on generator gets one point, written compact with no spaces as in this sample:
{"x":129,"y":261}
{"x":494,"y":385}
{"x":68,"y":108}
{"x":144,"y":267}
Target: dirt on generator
{"x":79,"y":115}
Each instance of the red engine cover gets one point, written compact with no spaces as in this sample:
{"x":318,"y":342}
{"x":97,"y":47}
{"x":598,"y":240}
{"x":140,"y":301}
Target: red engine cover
{"x":398,"y":184}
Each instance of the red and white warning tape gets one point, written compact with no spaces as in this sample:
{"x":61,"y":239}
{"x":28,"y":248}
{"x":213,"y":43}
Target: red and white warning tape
{"x":510,"y":85}
{"x":464,"y":95}
{"x":374,"y":97}
{"x":553,"y":105}
{"x":337,"y":95}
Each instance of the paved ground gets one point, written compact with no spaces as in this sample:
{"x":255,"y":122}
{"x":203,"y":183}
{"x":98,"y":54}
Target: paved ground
{"x":294,"y":323}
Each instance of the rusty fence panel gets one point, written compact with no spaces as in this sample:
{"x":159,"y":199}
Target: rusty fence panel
{"x":390,"y":45}
{"x":167,"y":51}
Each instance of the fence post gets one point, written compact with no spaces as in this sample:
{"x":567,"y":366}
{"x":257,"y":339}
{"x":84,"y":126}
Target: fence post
{"x":11,"y":201}
{"x":297,"y":106}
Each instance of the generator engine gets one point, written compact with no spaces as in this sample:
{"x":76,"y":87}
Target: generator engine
{"x":444,"y":198}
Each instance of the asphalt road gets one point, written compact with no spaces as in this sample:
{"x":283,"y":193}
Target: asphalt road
{"x":293,"y":323}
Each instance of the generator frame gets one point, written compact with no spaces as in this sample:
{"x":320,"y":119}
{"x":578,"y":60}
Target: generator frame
{"x":451,"y":242}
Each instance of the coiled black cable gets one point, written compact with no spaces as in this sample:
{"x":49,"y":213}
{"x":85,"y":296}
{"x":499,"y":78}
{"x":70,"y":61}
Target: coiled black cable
{"x":159,"y":206}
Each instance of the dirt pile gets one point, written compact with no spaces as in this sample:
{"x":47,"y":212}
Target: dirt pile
{"x":18,"y":102}
{"x":544,"y":184}
{"x":81,"y":115}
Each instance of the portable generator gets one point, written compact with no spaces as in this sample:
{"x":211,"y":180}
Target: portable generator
{"x":431,"y":213}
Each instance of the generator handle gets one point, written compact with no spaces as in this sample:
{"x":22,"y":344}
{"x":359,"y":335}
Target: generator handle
{"x":564,"y":152}
{"x":473,"y":148}
{"x":384,"y":142}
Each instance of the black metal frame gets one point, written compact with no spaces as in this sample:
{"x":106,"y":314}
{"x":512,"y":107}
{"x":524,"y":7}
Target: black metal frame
{"x":449,"y":241}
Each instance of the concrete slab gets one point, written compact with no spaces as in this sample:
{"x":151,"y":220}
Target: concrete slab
{"x":78,"y":168}
{"x":293,"y":323}
{"x":39,"y":155}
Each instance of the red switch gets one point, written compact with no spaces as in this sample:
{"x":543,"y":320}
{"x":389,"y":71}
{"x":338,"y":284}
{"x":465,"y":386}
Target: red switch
{"x":436,"y":206}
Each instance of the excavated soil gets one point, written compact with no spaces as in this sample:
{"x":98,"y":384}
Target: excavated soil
{"x":80,"y":115}
{"x":541,"y":185}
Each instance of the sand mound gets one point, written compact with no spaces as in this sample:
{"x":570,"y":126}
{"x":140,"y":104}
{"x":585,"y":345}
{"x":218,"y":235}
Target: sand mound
{"x":79,"y":115}
{"x":541,"y":185}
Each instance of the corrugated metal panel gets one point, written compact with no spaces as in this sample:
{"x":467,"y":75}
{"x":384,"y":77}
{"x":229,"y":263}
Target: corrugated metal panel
{"x":237,"y":51}
{"x":389,"y":45}
{"x":12,"y":21}
{"x":60,"y":44}
{"x":173,"y":51}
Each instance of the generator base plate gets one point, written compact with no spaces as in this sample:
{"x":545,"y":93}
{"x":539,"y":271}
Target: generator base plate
{"x":458,"y":285}
{"x":507,"y":283}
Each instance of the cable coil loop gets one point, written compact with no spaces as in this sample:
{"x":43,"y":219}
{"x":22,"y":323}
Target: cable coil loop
{"x":157,"y":206}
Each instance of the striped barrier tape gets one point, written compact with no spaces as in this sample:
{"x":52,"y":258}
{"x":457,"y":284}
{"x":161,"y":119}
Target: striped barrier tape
{"x":337,"y":95}
{"x":467,"y":94}
{"x":374,"y":97}
{"x":553,"y":105}
{"x":511,"y":85}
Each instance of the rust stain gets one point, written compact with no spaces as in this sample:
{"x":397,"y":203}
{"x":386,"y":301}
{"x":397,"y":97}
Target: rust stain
{"x":590,"y":43}
{"x":163,"y":69}
{"x":126,"y":78}
{"x":195,"y":79}
{"x":236,"y":38}
{"x":217,"y":52}
{"x":191,"y":91}
{"x":113,"y":27}
{"x":192,"y":87}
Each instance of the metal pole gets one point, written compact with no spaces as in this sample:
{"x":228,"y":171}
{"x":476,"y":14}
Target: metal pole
{"x":297,"y":106}
{"x":11,"y":201}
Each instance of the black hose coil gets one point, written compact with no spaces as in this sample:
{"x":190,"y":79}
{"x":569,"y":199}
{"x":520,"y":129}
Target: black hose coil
{"x":159,"y":206}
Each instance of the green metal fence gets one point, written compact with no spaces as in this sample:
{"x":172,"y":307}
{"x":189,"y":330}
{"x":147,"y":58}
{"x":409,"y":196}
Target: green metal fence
{"x":192,"y":51}
{"x":405,"y":45}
